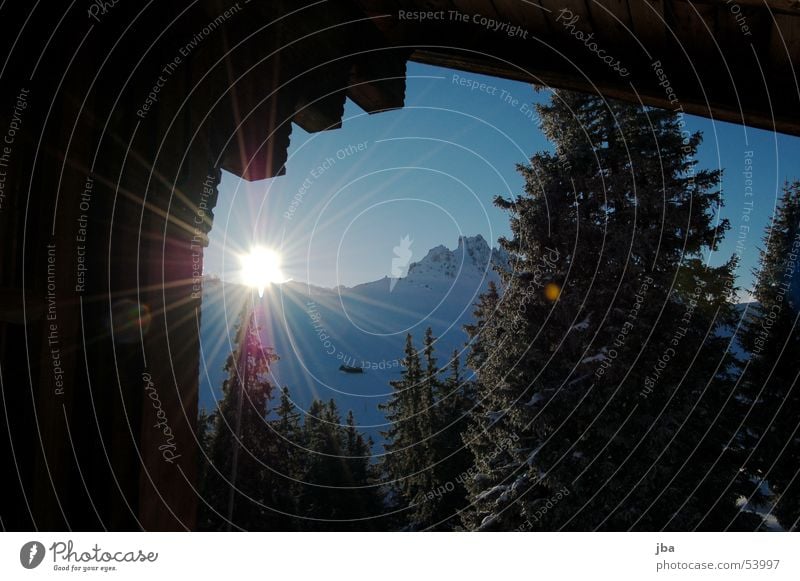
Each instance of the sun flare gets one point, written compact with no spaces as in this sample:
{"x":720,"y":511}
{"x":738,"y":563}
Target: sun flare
{"x":261,"y":267}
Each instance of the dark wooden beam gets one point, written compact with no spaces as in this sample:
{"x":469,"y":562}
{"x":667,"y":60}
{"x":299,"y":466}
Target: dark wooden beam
{"x":378,"y":80}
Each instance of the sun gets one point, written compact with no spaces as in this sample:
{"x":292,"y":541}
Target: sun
{"x":261,"y":267}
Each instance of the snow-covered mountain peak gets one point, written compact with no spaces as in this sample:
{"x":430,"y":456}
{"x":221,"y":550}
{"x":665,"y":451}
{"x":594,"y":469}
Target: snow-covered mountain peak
{"x":475,"y":249}
{"x":472,"y":256}
{"x":477,"y":241}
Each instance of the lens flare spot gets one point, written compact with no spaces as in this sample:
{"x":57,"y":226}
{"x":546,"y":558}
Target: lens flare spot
{"x":552,"y":291}
{"x":129,"y":320}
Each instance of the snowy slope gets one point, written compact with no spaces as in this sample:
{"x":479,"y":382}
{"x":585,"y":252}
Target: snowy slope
{"x":315,"y":330}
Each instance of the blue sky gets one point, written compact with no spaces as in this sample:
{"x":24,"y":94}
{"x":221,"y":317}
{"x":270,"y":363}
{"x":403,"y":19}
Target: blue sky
{"x":431,"y":170}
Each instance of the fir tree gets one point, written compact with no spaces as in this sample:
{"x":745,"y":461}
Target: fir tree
{"x":426,"y":459}
{"x":604,"y":391}
{"x":338,"y":491}
{"x":357,"y":452}
{"x":488,"y":434}
{"x":367,"y":502}
{"x":290,"y":457}
{"x":483,"y":315}
{"x":770,"y":438}
{"x":325,"y":471}
{"x":424,"y":473}
{"x":205,"y":427}
{"x":452,"y":459}
{"x":405,"y":473}
{"x":239,"y":451}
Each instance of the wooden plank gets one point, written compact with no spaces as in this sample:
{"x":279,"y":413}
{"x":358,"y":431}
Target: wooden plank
{"x":323,"y":114}
{"x":570,"y":23}
{"x":471,"y":7}
{"x":784,"y":45}
{"x":527,"y":13}
{"x":776,"y":6}
{"x":694,"y":26}
{"x":322,"y":94}
{"x":785,"y":121}
{"x":259,"y":129}
{"x":11,"y":307}
{"x":648,"y":23}
{"x":612,"y":21}
{"x":738,"y":33}
{"x":377,"y":81}
{"x":561,"y":15}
